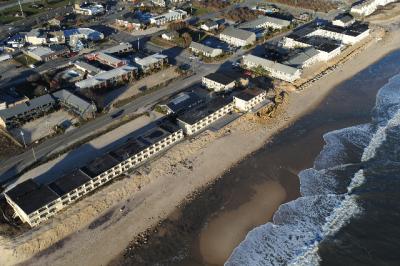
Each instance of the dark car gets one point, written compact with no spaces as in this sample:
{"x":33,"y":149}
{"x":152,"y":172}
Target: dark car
{"x":115,"y":115}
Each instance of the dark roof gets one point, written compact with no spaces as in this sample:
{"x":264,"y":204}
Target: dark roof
{"x":210,"y":23}
{"x":249,"y":94}
{"x":131,"y":17}
{"x":27,"y":106}
{"x":30,"y":196}
{"x":130,"y":148}
{"x":99,"y":165}
{"x":346,"y":17}
{"x":58,"y":47}
{"x":69,"y":182}
{"x":354,"y":30}
{"x":196,"y":114}
{"x":184,"y":100}
{"x":220,"y":78}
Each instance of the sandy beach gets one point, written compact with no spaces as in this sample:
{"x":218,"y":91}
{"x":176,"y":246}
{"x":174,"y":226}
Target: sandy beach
{"x":100,"y":227}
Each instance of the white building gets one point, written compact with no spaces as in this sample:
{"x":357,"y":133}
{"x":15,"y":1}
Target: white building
{"x":201,"y":117}
{"x":171,"y":15}
{"x":275,"y":69}
{"x":266,"y":22}
{"x":209,"y":25}
{"x":248,"y":99}
{"x":304,"y":58}
{"x":237,"y":37}
{"x":218,"y":82}
{"x":36,"y":37}
{"x":368,"y":7}
{"x":35,"y":203}
{"x":154,"y":61}
{"x":84,"y":33}
{"x":164,"y":3}
{"x":89,"y":9}
{"x":343,"y":21}
{"x":108,"y":78}
{"x":169,"y":36}
{"x":204,"y":50}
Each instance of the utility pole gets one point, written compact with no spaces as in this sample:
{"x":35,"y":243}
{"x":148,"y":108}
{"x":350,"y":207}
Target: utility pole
{"x":20,"y":7}
{"x":138,"y":44}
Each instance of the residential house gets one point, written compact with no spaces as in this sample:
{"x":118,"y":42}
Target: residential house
{"x":205,"y":50}
{"x":44,"y":53}
{"x":154,"y":61}
{"x":237,"y":37}
{"x":209,"y":25}
{"x":36,"y":37}
{"x":343,"y":20}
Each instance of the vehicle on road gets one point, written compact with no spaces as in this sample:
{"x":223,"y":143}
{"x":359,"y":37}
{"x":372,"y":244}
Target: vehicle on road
{"x":117,"y":114}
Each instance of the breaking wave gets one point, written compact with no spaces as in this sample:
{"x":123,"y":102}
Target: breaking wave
{"x":330,"y":190}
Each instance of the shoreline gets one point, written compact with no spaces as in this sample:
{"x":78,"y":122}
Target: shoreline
{"x":171,"y":180}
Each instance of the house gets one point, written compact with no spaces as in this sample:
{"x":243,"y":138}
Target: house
{"x":170,"y":35}
{"x":204,"y":50}
{"x":237,"y":37}
{"x":154,"y":61}
{"x":368,"y":7}
{"x":83,"y":33}
{"x":56,"y":37}
{"x":266,"y":22}
{"x":209,"y":25}
{"x":36,"y":37}
{"x":16,"y":41}
{"x":129,"y":21}
{"x":171,"y":15}
{"x":218,"y":82}
{"x":123,"y":47}
{"x":44,"y":53}
{"x":89,"y":9}
{"x":75,"y":104}
{"x":249,"y":98}
{"x":202,"y":116}
{"x":274,"y":69}
{"x":343,"y":20}
{"x":164,"y":3}
{"x":54,"y":22}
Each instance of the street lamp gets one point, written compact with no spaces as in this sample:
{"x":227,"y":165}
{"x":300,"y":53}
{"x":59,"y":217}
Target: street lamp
{"x":22,"y":135}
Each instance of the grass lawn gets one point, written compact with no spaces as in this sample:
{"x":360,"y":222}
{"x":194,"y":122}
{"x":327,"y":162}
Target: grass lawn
{"x":25,"y":60}
{"x":8,"y":15}
{"x":198,"y":11}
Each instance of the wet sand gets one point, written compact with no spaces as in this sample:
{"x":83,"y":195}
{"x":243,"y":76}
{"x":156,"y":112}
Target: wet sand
{"x":225,"y":231}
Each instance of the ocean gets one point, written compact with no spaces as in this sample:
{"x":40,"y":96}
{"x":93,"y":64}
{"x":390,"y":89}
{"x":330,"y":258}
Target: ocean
{"x":349,"y":211}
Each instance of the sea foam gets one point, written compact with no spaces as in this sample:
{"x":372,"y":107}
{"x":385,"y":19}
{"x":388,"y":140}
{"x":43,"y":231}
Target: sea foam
{"x":328,"y":200}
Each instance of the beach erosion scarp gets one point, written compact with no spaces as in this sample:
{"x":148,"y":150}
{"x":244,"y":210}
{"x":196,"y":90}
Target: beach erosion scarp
{"x":131,"y":206}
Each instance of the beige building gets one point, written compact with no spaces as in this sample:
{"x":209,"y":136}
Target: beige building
{"x":237,"y":37}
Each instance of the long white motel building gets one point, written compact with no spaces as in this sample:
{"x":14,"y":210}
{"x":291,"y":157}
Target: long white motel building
{"x":34,"y":203}
{"x":171,"y":15}
{"x":368,"y":7}
{"x":275,"y":69}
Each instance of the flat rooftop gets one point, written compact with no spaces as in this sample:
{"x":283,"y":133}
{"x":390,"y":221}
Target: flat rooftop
{"x":69,"y":182}
{"x":249,"y":93}
{"x":202,"y":111}
{"x":220,"y":78}
{"x":127,"y":150}
{"x":30,"y":196}
{"x":99,"y":165}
